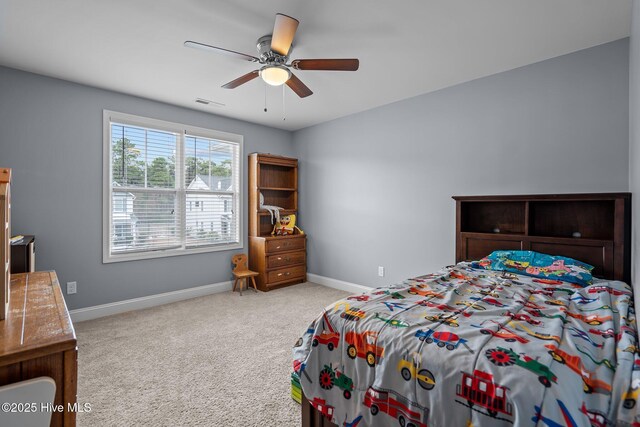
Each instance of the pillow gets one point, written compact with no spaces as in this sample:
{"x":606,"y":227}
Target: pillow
{"x":285,"y":225}
{"x":538,"y":265}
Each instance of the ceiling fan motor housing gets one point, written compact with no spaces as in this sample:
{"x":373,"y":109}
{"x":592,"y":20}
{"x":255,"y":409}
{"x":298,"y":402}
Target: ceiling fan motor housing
{"x":267,"y":55}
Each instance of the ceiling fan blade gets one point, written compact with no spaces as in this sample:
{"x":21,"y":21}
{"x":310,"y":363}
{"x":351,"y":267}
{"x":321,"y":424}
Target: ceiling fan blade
{"x":221,"y":51}
{"x":241,"y":80}
{"x":326,"y":64}
{"x":298,"y":87}
{"x":283,"y":32}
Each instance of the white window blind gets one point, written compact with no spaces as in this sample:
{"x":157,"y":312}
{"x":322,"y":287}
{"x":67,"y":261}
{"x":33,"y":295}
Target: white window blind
{"x":170,"y":189}
{"x":211,"y":185}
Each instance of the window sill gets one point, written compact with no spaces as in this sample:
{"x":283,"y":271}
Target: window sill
{"x":108,"y":258}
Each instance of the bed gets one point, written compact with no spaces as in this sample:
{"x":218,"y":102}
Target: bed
{"x":469,"y":346}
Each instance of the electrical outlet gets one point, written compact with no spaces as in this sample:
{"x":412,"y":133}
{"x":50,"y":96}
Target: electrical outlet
{"x":381,"y":271}
{"x":72,"y":288}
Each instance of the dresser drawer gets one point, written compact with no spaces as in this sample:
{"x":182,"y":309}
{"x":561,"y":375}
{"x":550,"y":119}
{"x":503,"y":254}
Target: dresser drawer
{"x":286,"y":244}
{"x":283,"y":260}
{"x":285,"y":274}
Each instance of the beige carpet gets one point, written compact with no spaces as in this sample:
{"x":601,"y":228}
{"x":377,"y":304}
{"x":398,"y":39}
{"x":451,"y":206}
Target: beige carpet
{"x":219,"y":360}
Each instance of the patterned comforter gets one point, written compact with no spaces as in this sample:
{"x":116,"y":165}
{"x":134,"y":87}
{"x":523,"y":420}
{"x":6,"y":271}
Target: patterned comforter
{"x":474,"y":347}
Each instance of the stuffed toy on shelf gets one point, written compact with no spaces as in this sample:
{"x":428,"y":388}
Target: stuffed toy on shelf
{"x":285,"y":226}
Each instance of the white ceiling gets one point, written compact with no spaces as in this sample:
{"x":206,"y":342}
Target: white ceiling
{"x":406,"y":47}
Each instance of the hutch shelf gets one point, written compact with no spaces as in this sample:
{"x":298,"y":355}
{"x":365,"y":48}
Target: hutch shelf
{"x":279,"y":260}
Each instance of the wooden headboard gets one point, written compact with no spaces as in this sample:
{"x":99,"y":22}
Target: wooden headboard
{"x":593,"y":228}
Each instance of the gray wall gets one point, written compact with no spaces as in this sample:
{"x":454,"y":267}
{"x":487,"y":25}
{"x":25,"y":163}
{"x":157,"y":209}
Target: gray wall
{"x":376,"y":186}
{"x":51,"y":135}
{"x":634,"y":143}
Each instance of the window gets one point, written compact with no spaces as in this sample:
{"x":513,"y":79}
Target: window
{"x":224,"y":225}
{"x":122,"y":234}
{"x":119,"y":202}
{"x":154,"y":173}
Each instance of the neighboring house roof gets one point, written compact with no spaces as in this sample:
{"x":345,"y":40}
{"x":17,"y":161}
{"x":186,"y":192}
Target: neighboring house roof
{"x":206,"y":182}
{"x":129,"y":194}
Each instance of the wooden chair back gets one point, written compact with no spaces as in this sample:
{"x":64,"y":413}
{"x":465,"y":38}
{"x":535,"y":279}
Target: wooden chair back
{"x":240,"y":263}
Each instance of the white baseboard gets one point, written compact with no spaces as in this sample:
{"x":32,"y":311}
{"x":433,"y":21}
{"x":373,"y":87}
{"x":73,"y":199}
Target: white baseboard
{"x":109,"y":309}
{"x":337,"y":284}
{"x":103,"y":310}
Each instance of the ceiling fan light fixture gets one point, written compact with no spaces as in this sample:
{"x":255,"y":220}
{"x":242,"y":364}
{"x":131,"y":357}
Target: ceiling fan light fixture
{"x":275,"y":75}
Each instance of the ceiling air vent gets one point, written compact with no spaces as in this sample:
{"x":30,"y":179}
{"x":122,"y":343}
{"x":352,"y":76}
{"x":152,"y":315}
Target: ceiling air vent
{"x":209,"y":102}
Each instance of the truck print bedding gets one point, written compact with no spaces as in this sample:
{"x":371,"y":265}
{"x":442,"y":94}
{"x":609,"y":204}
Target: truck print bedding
{"x":467,"y":346}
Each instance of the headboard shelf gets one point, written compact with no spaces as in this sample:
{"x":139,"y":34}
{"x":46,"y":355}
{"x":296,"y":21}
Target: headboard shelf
{"x":490,"y":217}
{"x":593,"y":219}
{"x":591,"y":227}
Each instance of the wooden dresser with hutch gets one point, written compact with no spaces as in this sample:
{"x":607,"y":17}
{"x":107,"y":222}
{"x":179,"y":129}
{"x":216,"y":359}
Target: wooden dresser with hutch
{"x":279,"y":260}
{"x":5,"y":236}
{"x":37,"y":338}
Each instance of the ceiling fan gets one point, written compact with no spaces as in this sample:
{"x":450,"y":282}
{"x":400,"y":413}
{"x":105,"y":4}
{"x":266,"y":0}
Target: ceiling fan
{"x":274,"y":51}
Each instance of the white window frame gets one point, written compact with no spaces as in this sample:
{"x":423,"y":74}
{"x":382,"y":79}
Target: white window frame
{"x":183,"y":130}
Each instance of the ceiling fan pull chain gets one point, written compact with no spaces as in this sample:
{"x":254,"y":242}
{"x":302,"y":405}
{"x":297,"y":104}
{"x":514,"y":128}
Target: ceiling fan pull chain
{"x":265,"y":97}
{"x":284,"y":112}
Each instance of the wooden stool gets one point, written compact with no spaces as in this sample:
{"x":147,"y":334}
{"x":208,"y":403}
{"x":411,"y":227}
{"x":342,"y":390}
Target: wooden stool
{"x":241,"y":272}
